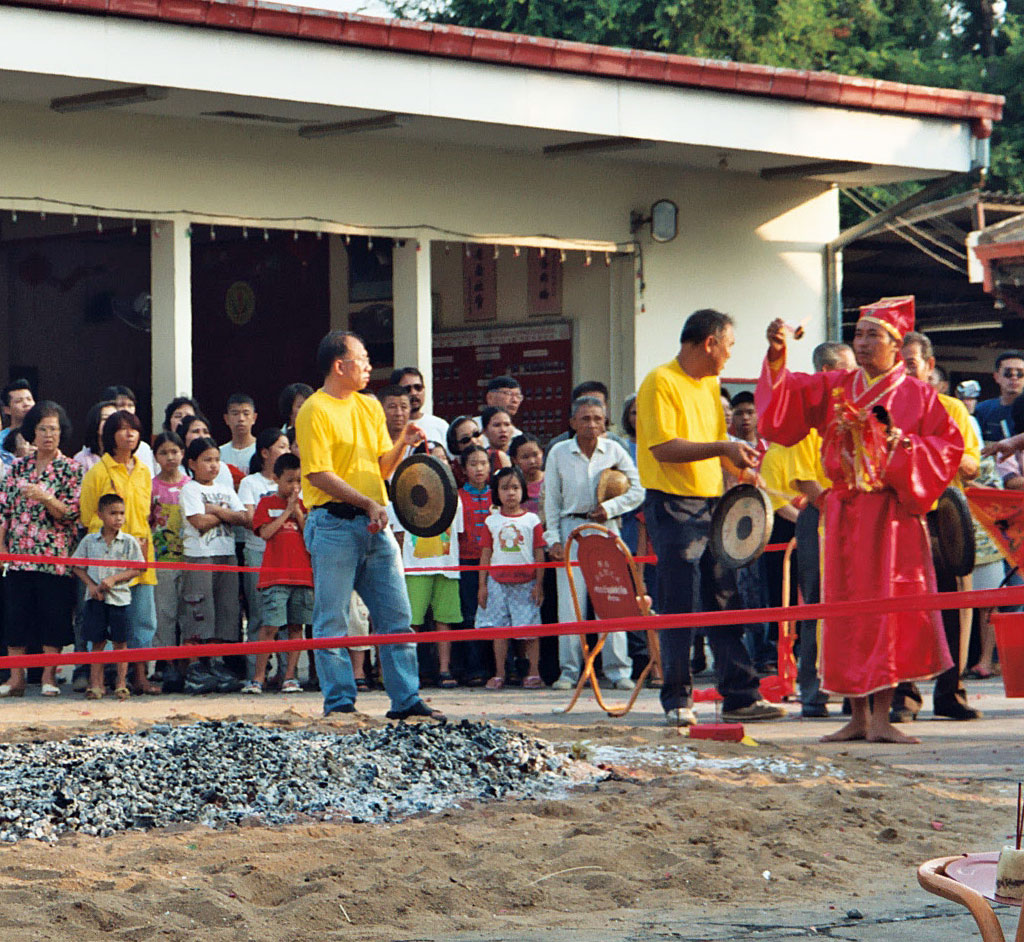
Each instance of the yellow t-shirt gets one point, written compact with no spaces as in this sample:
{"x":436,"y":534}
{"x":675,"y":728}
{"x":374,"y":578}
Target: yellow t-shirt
{"x":346,"y":437}
{"x":805,"y":462}
{"x":672,"y":404}
{"x":775,"y":473}
{"x":961,"y":417}
{"x":109,"y":477}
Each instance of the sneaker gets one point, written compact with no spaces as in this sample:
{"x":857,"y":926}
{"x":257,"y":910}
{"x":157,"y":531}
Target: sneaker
{"x":174,"y":680}
{"x":291,"y":686}
{"x":758,"y":710}
{"x":253,"y":687}
{"x":419,"y":708}
{"x":624,"y":684}
{"x":227,"y":680}
{"x":684,"y":716}
{"x":198,"y":680}
{"x":564,"y":683}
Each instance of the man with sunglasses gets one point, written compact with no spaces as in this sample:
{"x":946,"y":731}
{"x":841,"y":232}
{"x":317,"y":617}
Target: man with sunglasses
{"x":993,"y":415}
{"x":411,"y":380}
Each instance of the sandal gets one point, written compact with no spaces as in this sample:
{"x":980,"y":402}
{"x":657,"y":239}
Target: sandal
{"x":94,"y":693}
{"x":495,"y":683}
{"x":533,"y":682}
{"x":123,"y":693}
{"x":49,"y":690}
{"x":253,"y":687}
{"x":446,"y":681}
{"x":977,"y":673}
{"x":362,"y":684}
{"x":146,"y":688}
{"x":6,"y":690}
{"x":291,"y":685}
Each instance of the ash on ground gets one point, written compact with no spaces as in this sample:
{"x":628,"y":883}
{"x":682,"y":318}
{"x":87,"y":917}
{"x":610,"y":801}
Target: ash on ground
{"x":217,"y":773}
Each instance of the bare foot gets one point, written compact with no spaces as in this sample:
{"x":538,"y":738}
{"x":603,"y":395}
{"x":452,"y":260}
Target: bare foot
{"x":886,"y":732}
{"x":853,"y":730}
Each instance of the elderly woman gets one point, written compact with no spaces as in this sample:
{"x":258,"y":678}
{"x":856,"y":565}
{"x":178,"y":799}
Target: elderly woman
{"x":570,"y":499}
{"x":38,"y":514}
{"x":119,"y":471}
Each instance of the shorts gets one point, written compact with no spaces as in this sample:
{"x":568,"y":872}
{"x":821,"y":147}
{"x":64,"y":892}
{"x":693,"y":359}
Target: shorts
{"x":286,"y":605}
{"x":436,"y":592}
{"x":358,"y":622}
{"x":508,"y":604}
{"x":102,"y":622}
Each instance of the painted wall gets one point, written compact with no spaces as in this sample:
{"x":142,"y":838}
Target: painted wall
{"x":745,"y":245}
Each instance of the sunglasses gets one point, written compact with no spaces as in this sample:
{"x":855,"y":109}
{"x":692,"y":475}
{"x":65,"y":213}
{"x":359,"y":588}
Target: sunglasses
{"x":413,"y":387}
{"x":1013,"y":374}
{"x":466,"y":439}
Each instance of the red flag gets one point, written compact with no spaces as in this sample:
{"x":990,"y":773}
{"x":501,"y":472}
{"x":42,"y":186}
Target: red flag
{"x":1001,"y":513}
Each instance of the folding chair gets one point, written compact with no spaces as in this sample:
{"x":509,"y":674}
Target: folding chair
{"x":616,"y":590}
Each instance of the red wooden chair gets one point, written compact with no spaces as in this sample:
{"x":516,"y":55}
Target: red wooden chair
{"x":616,"y":590}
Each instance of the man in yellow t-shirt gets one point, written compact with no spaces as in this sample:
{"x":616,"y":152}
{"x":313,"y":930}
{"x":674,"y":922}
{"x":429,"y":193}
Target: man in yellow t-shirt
{"x":682,"y":445}
{"x":346,"y":455}
{"x":949,"y":698}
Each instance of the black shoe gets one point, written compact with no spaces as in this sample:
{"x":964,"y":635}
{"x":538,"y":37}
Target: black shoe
{"x":227,"y":680}
{"x":902,"y":715}
{"x":174,"y":680}
{"x":419,"y":708}
{"x":814,"y":711}
{"x":344,"y":708}
{"x":198,"y":680}
{"x":957,"y":711}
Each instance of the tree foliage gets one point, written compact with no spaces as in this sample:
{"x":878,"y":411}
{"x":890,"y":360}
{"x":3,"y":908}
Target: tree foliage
{"x":975,"y":45}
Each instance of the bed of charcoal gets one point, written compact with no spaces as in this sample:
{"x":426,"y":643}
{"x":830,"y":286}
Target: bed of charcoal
{"x":221,"y":773}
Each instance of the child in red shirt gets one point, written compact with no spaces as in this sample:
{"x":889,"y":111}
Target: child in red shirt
{"x":286,"y":579}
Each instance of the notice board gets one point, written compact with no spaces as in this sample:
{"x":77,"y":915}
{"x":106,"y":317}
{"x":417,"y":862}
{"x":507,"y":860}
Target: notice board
{"x":539,"y":355}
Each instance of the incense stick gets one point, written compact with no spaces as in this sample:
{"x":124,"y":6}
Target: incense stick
{"x":1020,"y":816}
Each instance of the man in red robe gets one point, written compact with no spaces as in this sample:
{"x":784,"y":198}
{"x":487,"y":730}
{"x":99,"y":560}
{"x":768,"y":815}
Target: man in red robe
{"x":891,"y":449}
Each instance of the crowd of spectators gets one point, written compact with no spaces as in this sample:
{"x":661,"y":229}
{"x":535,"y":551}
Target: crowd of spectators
{"x":183,"y":498}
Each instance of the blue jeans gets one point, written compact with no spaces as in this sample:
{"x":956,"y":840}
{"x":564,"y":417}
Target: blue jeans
{"x":141,"y":617}
{"x":346,"y":557}
{"x":690,"y":579}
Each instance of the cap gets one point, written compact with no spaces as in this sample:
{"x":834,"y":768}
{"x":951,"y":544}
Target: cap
{"x":969,"y":389}
{"x":896,"y":315}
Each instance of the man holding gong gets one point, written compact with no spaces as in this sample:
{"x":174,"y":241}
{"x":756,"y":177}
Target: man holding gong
{"x":346,"y":456}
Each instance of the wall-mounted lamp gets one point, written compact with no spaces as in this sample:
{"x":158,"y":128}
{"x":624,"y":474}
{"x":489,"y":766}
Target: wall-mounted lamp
{"x":664,"y":221}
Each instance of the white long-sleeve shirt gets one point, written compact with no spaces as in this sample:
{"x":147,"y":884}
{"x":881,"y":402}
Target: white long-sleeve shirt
{"x":570,"y":484}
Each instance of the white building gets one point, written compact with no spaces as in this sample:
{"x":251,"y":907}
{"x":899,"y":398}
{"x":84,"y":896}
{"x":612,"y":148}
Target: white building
{"x":225,"y":149}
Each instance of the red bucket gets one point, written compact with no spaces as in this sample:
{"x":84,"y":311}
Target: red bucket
{"x":1010,"y":642}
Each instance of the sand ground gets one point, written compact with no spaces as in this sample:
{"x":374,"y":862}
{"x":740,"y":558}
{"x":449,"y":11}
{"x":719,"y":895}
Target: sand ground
{"x":655,"y":852}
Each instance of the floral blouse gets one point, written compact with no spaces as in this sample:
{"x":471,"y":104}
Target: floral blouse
{"x":30,"y":528}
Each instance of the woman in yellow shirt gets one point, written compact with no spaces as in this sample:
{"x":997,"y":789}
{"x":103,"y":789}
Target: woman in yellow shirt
{"x":120,"y":472}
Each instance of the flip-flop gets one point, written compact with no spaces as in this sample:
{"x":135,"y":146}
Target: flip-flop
{"x":975,"y":674}
{"x":495,"y":683}
{"x":533,"y":682}
{"x":94,"y":693}
{"x":123,"y":693}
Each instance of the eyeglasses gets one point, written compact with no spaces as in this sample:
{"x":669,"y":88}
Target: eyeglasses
{"x":1013,"y":374}
{"x":466,"y":439}
{"x":362,"y":361}
{"x":413,"y":387}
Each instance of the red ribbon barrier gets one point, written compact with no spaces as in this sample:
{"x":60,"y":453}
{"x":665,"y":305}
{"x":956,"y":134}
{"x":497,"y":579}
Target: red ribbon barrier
{"x":224,"y":567}
{"x":977,"y":598}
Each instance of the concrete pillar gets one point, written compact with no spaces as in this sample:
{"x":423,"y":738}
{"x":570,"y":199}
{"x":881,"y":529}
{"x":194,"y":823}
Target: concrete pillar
{"x":412,"y":322}
{"x":171,"y":288}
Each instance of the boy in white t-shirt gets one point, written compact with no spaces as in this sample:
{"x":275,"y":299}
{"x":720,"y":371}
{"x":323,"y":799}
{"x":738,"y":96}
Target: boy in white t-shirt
{"x":211,"y":598}
{"x":433,"y":589}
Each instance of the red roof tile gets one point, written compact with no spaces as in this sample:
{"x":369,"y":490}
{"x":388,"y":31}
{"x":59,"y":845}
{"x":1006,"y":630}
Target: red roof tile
{"x":455,"y":42}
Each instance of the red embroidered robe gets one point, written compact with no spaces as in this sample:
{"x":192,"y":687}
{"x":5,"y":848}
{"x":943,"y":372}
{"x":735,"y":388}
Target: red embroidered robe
{"x":876,"y":538}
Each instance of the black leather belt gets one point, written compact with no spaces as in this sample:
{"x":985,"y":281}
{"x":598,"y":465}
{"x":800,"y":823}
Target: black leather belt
{"x":343,"y":511}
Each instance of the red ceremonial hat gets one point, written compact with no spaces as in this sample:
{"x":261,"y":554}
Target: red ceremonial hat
{"x":896,"y":315}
